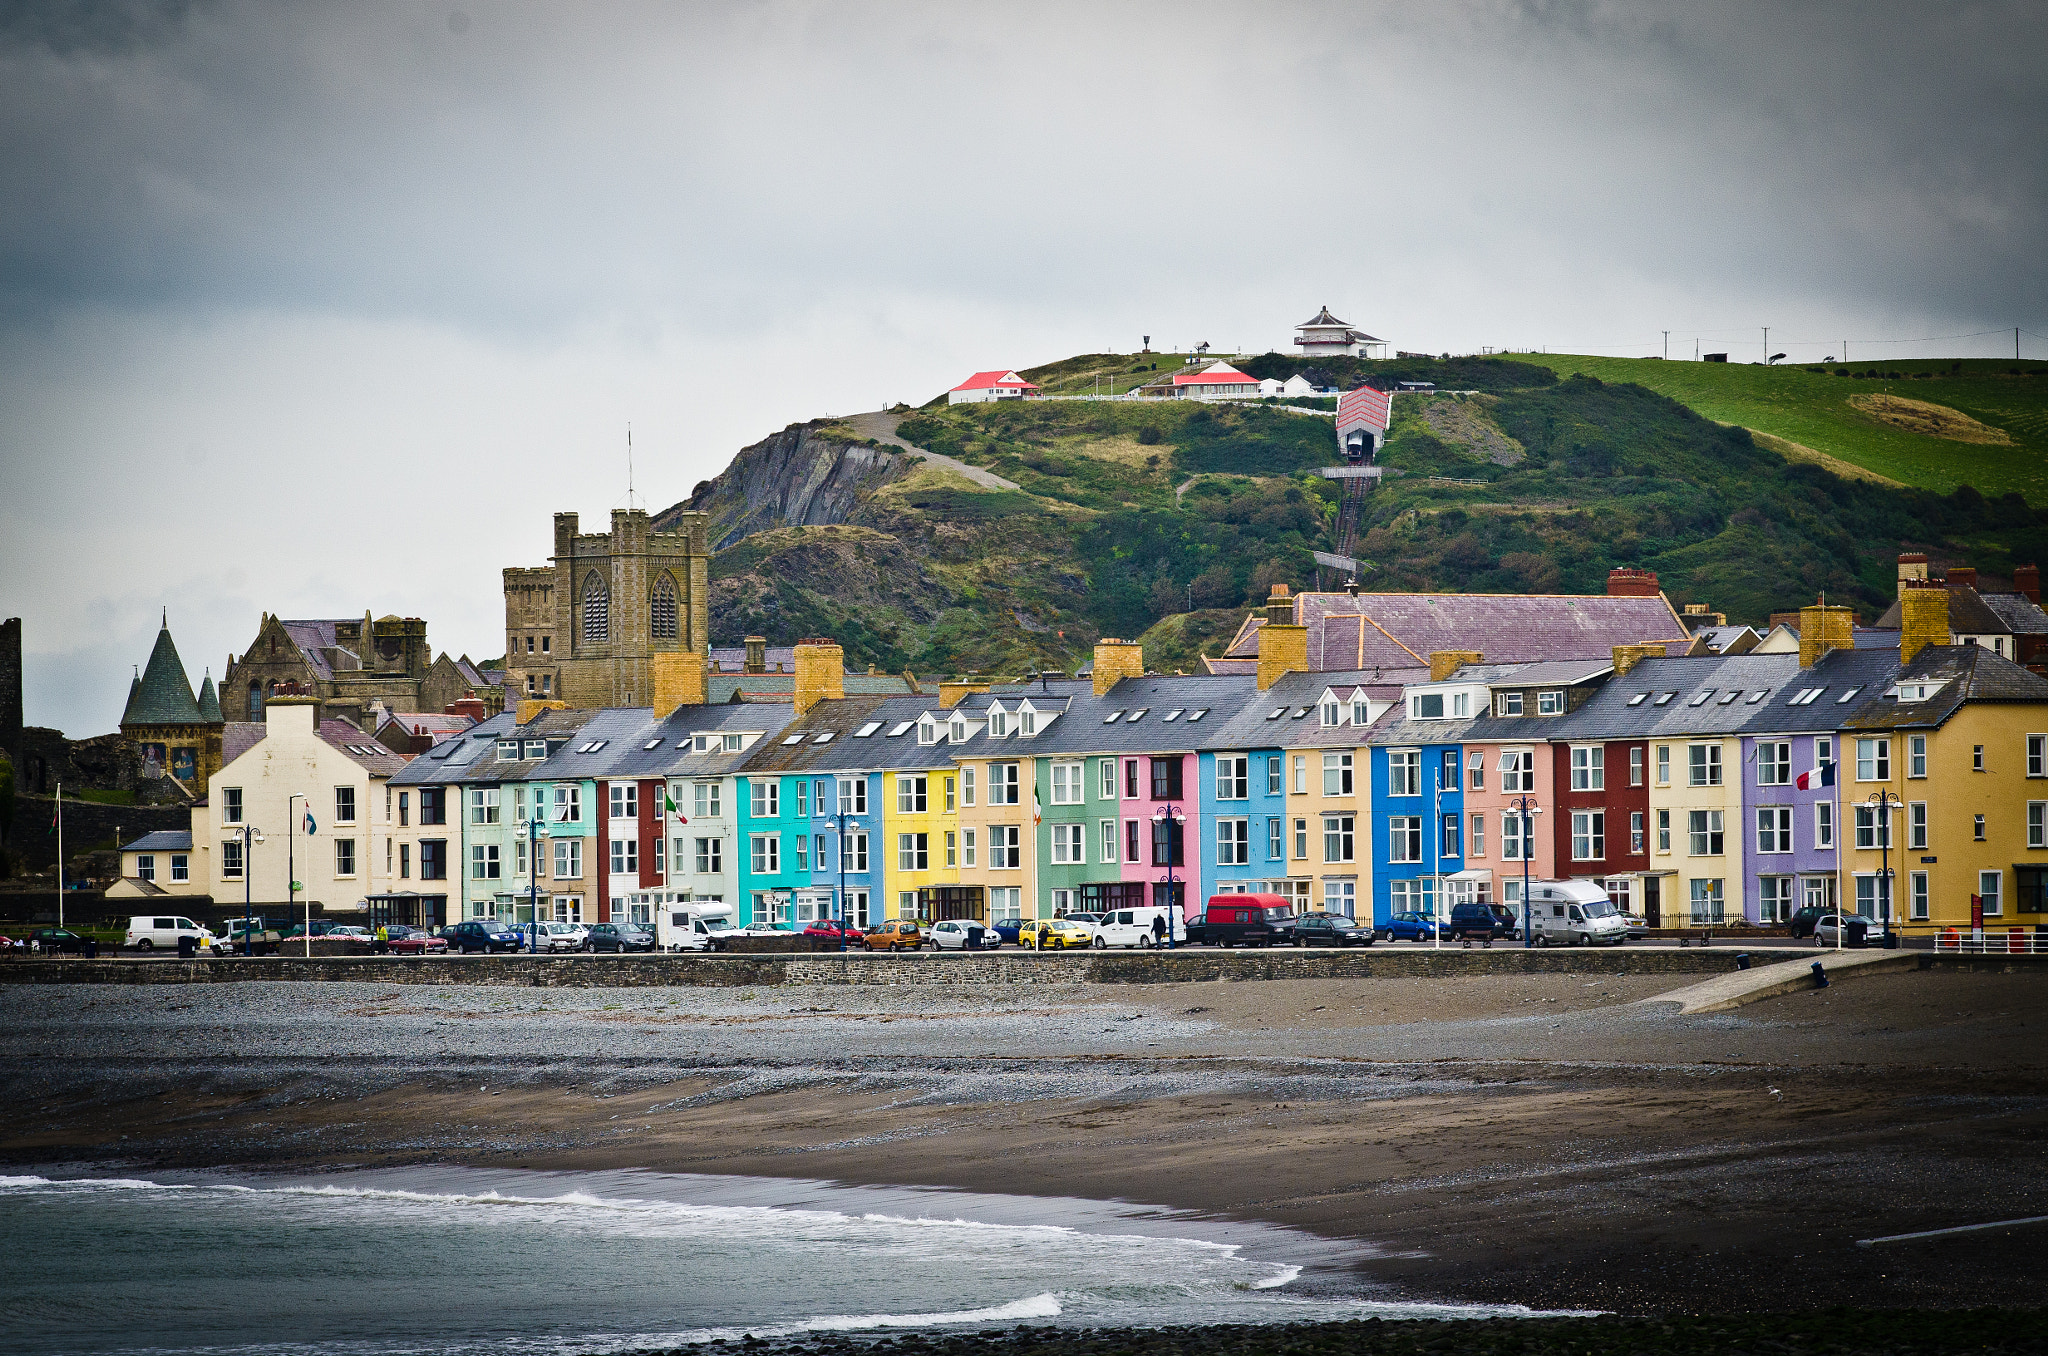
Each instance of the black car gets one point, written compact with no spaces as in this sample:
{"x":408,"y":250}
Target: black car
{"x":1481,"y":922}
{"x":1330,"y":929}
{"x":1803,"y":922}
{"x":58,"y":939}
{"x":485,"y":935}
{"x":619,"y":937}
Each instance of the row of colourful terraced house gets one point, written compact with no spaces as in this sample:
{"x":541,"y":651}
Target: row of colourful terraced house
{"x":1909,"y":781}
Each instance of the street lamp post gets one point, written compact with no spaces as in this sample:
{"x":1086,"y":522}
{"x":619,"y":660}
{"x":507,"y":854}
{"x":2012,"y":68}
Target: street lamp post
{"x":1526,"y":811}
{"x":291,"y":867}
{"x":1882,"y":802}
{"x":845,"y":919}
{"x":535,"y":831}
{"x":1169,"y":814}
{"x":250,"y":837}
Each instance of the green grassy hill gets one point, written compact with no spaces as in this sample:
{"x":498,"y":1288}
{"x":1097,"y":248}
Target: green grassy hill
{"x":1167,"y":519}
{"x":1811,"y":406}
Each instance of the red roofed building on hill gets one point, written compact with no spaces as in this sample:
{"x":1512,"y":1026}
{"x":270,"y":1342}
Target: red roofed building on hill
{"x":1217,"y":381}
{"x":989,"y":386}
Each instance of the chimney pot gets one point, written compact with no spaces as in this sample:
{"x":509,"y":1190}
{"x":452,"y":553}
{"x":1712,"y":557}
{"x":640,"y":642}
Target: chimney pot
{"x":1623,"y":582}
{"x":2026,"y":579}
{"x":1964,"y":575}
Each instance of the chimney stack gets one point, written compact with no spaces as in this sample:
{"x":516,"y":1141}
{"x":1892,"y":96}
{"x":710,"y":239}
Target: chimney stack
{"x":2027,"y":580}
{"x":953,"y":691}
{"x":1627,"y":657}
{"x":1912,"y":565}
{"x":1116,"y":660}
{"x":757,"y":654}
{"x":1823,"y":628}
{"x":1965,"y":575}
{"x":820,"y":669}
{"x":470,"y":705}
{"x":1627,"y":583}
{"x":681,"y":678}
{"x":1923,"y":618}
{"x":1444,"y":663}
{"x":1283,"y":643}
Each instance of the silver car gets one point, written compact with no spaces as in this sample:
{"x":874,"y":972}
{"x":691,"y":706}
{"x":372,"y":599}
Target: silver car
{"x":561,"y":937}
{"x":1829,"y":928}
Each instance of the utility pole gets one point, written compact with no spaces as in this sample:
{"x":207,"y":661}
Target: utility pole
{"x":1667,"y":346}
{"x":2015,"y":343}
{"x":1767,"y":346}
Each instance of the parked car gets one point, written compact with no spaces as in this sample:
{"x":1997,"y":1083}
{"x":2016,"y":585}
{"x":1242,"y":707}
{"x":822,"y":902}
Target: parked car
{"x":561,"y":937}
{"x":1331,"y":929}
{"x":1084,"y":917}
{"x":898,"y":934}
{"x":1574,"y":912}
{"x":961,"y":934}
{"x":762,"y":928}
{"x":401,"y":940}
{"x":1478,"y":922}
{"x":1144,"y":927}
{"x":248,"y":936}
{"x":1847,"y":929}
{"x":353,"y":931}
{"x":1011,"y":930}
{"x":147,"y":932}
{"x":320,"y":928}
{"x":1063,"y":933}
{"x":485,"y":935}
{"x":58,"y":939}
{"x":834,"y":930}
{"x":1803,"y":921}
{"x":1638,"y":926}
{"x":1408,"y":926}
{"x":1248,"y":920}
{"x":620,"y":937}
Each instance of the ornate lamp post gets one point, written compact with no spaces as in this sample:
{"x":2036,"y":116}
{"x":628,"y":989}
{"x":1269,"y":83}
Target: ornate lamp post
{"x":845,"y":919}
{"x":251,"y":835}
{"x":1882,"y":802}
{"x":537,"y":829}
{"x":1527,"y":811}
{"x":1170,"y":814}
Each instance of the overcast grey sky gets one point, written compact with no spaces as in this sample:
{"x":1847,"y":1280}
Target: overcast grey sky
{"x":319,"y":308}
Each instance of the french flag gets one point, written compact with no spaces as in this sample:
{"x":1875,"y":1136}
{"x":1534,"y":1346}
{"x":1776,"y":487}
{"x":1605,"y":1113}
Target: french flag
{"x":1823,"y":774}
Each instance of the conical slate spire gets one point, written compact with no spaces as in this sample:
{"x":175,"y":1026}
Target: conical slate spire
{"x":209,"y":701}
{"x":164,"y":694}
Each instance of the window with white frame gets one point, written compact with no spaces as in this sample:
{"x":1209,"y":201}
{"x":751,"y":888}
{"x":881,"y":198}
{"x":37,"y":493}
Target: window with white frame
{"x":1337,"y":773}
{"x":1916,"y":895}
{"x":1549,"y":703}
{"x":1518,"y":770}
{"x":765,"y":798}
{"x":1448,"y":835}
{"x":1330,"y":713}
{"x":1476,"y":842}
{"x":344,"y":856}
{"x":1589,"y":835}
{"x":1514,"y":846}
{"x":1340,"y":897}
{"x":145,"y":866}
{"x":1067,"y":787}
{"x":625,"y":800}
{"x":1635,"y":765}
{"x":1774,"y":828}
{"x":853,"y":795}
{"x":625,"y":856}
{"x":1404,"y":838}
{"x":1703,"y":764}
{"x":483,"y":861}
{"x":483,"y":804}
{"x":1338,"y":839}
{"x":913,"y":793}
{"x":344,"y":805}
{"x":1300,"y":774}
{"x":765,"y":853}
{"x":1663,"y":830}
{"x":1426,"y":706}
{"x":1774,"y":899}
{"x":2037,"y":823}
{"x":710,"y":856}
{"x":1233,"y":842}
{"x":1276,"y":839}
{"x":181,"y":868}
{"x":1867,"y":895}
{"x":948,"y":802}
{"x":1774,"y":763}
{"x":568,"y":804}
{"x":1301,"y":840}
{"x":1872,"y":829}
{"x":1233,"y":777}
{"x":1916,"y":755}
{"x":1105,"y":841}
{"x":1635,"y":831}
{"x":1027,"y":722}
{"x":1873,"y":760}
{"x":1824,"y":824}
{"x":913,"y":852}
{"x":231,"y":859}
{"x":1002,"y":784}
{"x":1411,"y":896}
{"x":1361,"y":710}
{"x":1704,"y":833}
{"x":1004,"y":853}
{"x":1663,"y":765}
{"x":1708,"y":900}
{"x":1275,"y":777}
{"x":1108,"y":787}
{"x":1510,"y":703}
{"x":1916,"y":825}
{"x":998,"y":723}
{"x":1991,"y":888}
{"x":1068,"y":844}
{"x":1404,"y":773}
{"x":952,"y":857}
{"x":2037,"y":755}
{"x":1475,"y":770}
{"x":1589,"y":767}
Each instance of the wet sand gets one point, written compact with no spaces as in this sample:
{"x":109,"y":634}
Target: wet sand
{"x":1539,"y":1139}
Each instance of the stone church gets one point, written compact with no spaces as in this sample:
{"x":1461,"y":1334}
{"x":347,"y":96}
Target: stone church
{"x":585,"y":628}
{"x":347,"y":664}
{"x":176,"y":734}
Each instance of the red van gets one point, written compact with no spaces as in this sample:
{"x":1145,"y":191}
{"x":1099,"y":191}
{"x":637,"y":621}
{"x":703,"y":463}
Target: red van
{"x":1248,"y":920}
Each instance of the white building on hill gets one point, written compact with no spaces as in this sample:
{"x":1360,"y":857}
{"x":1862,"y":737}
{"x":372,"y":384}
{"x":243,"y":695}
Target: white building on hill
{"x":1323,"y":334}
{"x":989,"y":386}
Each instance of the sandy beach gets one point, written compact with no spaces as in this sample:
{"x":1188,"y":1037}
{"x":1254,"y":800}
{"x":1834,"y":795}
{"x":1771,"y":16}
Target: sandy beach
{"x":1540,"y":1139}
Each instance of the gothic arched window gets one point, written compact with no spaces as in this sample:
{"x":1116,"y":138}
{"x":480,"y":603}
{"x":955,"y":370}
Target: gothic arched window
{"x":597,"y":609}
{"x":662,"y":611}
{"x":256,"y":702}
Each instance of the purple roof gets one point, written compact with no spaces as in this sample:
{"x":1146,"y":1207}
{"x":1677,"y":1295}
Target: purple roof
{"x":1401,"y":630}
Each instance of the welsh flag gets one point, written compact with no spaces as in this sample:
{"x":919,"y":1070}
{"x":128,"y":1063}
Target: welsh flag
{"x":668,"y":803}
{"x":1823,"y":774}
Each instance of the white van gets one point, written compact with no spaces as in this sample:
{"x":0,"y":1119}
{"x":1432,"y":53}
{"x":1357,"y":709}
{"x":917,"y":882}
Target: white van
{"x":1574,"y":913}
{"x":155,"y":930}
{"x":1134,"y":927}
{"x":693,"y":925}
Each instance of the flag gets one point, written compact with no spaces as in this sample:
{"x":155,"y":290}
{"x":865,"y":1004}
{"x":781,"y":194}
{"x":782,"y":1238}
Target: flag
{"x":311,"y":828}
{"x":1823,"y":774}
{"x":670,"y":803}
{"x":1036,"y":813}
{"x":57,"y":811}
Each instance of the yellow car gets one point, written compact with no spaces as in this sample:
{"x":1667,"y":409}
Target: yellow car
{"x":1061,"y":933}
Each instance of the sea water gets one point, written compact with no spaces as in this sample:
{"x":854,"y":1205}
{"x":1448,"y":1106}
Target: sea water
{"x":462,"y":1261}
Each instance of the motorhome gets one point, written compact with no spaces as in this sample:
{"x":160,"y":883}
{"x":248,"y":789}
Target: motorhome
{"x":1574,"y":913}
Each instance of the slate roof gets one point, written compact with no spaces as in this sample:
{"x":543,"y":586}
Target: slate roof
{"x":1393,"y":630}
{"x":781,"y":687}
{"x":2022,"y":615}
{"x":238,"y":737}
{"x":1970,"y":673}
{"x":675,"y":753}
{"x":1083,"y":730}
{"x":163,"y":695}
{"x":440,"y":724}
{"x":379,"y":761}
{"x":209,"y":702}
{"x":1609,"y":714}
{"x":163,"y":840}
{"x":1970,"y":613}
{"x":451,"y":760}
{"x":1252,"y":724}
{"x":315,"y":637}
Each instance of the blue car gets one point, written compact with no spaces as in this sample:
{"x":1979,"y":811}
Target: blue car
{"x":1008,"y":929}
{"x":1408,"y":927}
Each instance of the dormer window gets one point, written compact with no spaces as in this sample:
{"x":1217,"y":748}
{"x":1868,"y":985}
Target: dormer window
{"x":956,"y":731}
{"x":700,"y":743}
{"x":508,"y":750}
{"x":1549,"y":703}
{"x":536,"y":748}
{"x":1027,"y":722}
{"x":927,"y":731}
{"x":731,"y":743}
{"x":1914,"y":692}
{"x":1331,"y":712}
{"x":1426,"y":706}
{"x":1511,"y":703}
{"x":998,"y":723}
{"x":1461,"y":706}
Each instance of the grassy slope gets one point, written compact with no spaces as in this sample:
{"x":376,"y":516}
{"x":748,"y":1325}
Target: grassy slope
{"x":1810,"y":406}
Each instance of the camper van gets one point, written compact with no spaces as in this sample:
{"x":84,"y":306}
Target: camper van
{"x":1574,"y":913}
{"x":685,"y":924}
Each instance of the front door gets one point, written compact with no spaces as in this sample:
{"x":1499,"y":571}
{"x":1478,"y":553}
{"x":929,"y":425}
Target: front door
{"x":1652,"y":901}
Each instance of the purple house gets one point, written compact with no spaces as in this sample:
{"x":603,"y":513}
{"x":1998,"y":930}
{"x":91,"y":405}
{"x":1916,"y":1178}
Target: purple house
{"x":1792,"y":805}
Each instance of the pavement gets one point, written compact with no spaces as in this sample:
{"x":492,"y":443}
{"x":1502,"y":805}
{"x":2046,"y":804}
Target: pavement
{"x":1724,"y":992}
{"x":881,"y":426}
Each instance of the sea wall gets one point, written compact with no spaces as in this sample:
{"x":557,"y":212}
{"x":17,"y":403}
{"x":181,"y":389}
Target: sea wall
{"x":1013,"y":967}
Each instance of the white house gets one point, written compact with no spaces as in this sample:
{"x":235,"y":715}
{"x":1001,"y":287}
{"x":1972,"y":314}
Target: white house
{"x":989,"y":386}
{"x":1298,"y":385}
{"x":1325,"y":335}
{"x":335,"y":774}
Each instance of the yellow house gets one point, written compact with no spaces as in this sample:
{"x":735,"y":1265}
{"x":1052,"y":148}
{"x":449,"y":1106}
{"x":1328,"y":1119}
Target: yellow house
{"x":921,"y":839}
{"x":998,"y":848}
{"x":1944,"y":783}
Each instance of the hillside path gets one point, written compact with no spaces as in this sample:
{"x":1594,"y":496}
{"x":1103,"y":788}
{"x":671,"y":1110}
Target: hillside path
{"x":881,"y":426}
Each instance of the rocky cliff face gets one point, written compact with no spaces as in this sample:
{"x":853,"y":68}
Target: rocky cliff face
{"x":795,"y":478}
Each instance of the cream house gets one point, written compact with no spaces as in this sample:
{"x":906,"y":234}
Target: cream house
{"x":299,"y":800}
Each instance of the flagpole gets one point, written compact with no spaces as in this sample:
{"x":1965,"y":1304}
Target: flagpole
{"x":60,"y":854}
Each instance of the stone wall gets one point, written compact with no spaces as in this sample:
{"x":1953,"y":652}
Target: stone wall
{"x":87,"y":826}
{"x":1021,"y":967}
